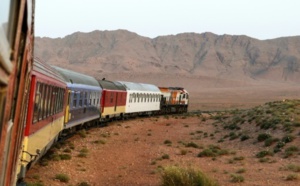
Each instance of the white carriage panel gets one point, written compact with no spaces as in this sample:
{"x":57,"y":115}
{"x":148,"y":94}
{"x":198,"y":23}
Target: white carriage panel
{"x":141,"y":106}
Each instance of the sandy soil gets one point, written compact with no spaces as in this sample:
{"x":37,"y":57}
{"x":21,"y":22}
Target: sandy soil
{"x":131,"y":155}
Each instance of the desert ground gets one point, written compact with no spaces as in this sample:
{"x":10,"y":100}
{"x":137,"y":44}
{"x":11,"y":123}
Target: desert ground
{"x":133,"y":152}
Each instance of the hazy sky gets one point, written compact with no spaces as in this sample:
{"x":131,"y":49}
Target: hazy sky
{"x":261,"y":19}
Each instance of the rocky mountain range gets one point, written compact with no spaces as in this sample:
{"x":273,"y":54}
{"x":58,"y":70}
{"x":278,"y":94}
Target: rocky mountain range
{"x":187,"y":54}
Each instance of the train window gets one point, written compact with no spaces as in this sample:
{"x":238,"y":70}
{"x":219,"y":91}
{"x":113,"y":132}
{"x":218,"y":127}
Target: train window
{"x":62,"y":99}
{"x":91,"y":93}
{"x":49,"y":100}
{"x":45,"y":101}
{"x":53,"y":100}
{"x":5,"y":7}
{"x":74,"y":99}
{"x":94,"y":98}
{"x":58,"y":99}
{"x":85,"y":98}
{"x":41,"y":102}
{"x":36,"y":103}
{"x":130,"y":98}
{"x":80,"y":98}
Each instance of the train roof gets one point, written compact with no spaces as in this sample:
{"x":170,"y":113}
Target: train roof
{"x":76,"y":78}
{"x":42,"y":67}
{"x":139,"y":86}
{"x":110,"y":85}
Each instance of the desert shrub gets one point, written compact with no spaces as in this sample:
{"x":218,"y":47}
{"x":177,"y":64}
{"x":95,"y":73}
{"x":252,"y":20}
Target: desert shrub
{"x":172,"y":175}
{"x":288,"y":138}
{"x":183,"y":152}
{"x":263,"y":137}
{"x":270,"y":141}
{"x":279,"y":146}
{"x":292,"y":177}
{"x":82,"y":133}
{"x":292,"y":149}
{"x":168,"y":142}
{"x":84,"y":150}
{"x":232,"y":126}
{"x":54,"y":157}
{"x":62,"y":177}
{"x":100,"y":142}
{"x":83,"y":153}
{"x":213,"y":151}
{"x":264,"y":160}
{"x":67,"y":150}
{"x":235,"y":178}
{"x":83,"y":184}
{"x":293,"y":167}
{"x":44,"y":162}
{"x":238,"y":158}
{"x":165,"y":156}
{"x":264,"y":153}
{"x":244,"y":137}
{"x":242,"y":170}
{"x":65,"y":156}
{"x":192,"y":144}
{"x":233,"y":136}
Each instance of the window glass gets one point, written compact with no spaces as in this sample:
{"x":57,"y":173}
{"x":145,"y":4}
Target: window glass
{"x":46,"y":101}
{"x":54,"y":97}
{"x":80,"y":98}
{"x":36,"y":103}
{"x":4,"y":14}
{"x":49,"y":100}
{"x":41,"y":102}
{"x":57,"y":101}
{"x":74,"y":99}
{"x":85,"y":98}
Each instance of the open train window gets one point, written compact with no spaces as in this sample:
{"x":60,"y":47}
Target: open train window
{"x":4,"y":39}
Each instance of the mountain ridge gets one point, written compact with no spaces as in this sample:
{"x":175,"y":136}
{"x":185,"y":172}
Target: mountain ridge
{"x":189,"y":54}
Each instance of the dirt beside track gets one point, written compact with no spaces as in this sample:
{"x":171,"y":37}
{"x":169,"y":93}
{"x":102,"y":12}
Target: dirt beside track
{"x":130,"y":153}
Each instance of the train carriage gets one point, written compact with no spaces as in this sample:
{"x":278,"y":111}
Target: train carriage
{"x":113,"y":100}
{"x":16,"y":43}
{"x":141,"y":98}
{"x":46,"y":119}
{"x":174,"y":99}
{"x":83,"y":102}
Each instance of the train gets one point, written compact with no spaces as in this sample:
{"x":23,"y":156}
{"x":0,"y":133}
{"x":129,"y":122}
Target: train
{"x":61,"y":101}
{"x":40,"y":103}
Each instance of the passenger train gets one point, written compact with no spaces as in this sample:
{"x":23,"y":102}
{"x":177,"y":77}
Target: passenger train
{"x":62,"y":101}
{"x":40,"y":103}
